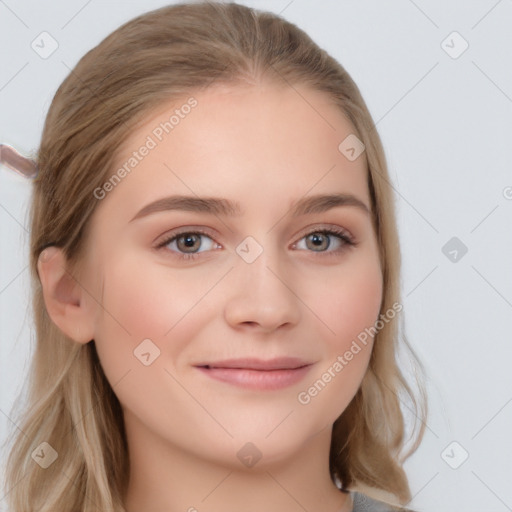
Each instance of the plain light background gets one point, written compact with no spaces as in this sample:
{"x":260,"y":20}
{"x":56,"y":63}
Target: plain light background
{"x":445,"y":118}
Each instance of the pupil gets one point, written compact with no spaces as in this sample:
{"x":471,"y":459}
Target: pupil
{"x":188,"y":241}
{"x":318,"y":241}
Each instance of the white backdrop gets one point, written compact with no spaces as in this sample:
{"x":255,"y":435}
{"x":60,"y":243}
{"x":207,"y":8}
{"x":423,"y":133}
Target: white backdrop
{"x":443,"y":106}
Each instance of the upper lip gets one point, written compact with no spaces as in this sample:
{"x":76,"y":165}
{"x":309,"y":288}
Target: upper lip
{"x":278,"y":363}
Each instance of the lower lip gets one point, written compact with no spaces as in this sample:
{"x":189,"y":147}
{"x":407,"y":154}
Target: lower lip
{"x":257,"y":379}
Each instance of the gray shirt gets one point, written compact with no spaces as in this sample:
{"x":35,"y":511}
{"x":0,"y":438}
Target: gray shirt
{"x":363,"y":503}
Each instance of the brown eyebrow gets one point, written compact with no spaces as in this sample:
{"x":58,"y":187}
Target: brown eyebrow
{"x":218,"y":206}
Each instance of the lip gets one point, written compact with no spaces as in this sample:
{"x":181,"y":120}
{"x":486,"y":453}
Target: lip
{"x":252,"y":363}
{"x":257,"y":374}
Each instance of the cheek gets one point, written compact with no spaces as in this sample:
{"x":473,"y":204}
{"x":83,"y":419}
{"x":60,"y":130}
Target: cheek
{"x":348,"y":303}
{"x":348,"y":299}
{"x":356,"y":306}
{"x":147,"y":300}
{"x":142,"y":302}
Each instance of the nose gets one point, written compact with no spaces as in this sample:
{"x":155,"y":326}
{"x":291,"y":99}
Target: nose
{"x":261,"y":294}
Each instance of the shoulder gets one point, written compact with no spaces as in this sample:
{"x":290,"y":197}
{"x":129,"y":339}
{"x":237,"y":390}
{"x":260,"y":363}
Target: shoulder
{"x":363,"y":503}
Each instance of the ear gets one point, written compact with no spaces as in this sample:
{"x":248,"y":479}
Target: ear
{"x":69,"y":305}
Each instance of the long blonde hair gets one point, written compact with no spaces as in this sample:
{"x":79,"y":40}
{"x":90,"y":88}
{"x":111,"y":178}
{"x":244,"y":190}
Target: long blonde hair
{"x":159,"y":56}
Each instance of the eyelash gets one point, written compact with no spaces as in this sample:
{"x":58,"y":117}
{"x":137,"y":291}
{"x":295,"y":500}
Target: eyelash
{"x":347,"y":242}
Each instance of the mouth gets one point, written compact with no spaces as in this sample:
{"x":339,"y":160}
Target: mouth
{"x":257,"y":374}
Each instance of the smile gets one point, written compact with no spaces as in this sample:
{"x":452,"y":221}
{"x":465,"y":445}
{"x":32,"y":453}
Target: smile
{"x":257,"y":374}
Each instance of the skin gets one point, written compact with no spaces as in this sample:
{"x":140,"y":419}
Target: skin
{"x":263,"y":146}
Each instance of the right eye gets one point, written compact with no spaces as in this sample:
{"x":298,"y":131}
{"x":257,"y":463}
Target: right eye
{"x":187,"y":244}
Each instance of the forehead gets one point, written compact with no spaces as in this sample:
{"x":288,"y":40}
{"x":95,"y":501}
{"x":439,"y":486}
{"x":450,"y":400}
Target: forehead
{"x":251,"y":142}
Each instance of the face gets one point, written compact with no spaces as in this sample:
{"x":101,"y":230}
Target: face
{"x":232,"y":321}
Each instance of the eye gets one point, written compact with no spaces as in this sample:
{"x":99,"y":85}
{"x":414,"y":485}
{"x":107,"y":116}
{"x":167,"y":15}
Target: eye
{"x":188,"y":243}
{"x":321,"y":239}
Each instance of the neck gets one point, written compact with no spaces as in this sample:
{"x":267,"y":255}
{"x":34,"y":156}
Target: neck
{"x":165,"y":478}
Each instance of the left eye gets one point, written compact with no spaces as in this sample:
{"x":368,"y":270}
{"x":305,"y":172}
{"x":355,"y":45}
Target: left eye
{"x":322,"y":240}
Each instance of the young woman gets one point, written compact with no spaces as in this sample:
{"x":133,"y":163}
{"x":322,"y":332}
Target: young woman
{"x":216,"y":280}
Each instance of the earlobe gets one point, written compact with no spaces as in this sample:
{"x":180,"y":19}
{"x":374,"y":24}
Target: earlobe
{"x":66,"y":301}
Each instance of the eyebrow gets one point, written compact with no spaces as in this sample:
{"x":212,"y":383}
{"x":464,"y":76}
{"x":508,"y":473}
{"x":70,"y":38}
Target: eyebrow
{"x":218,"y":206}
